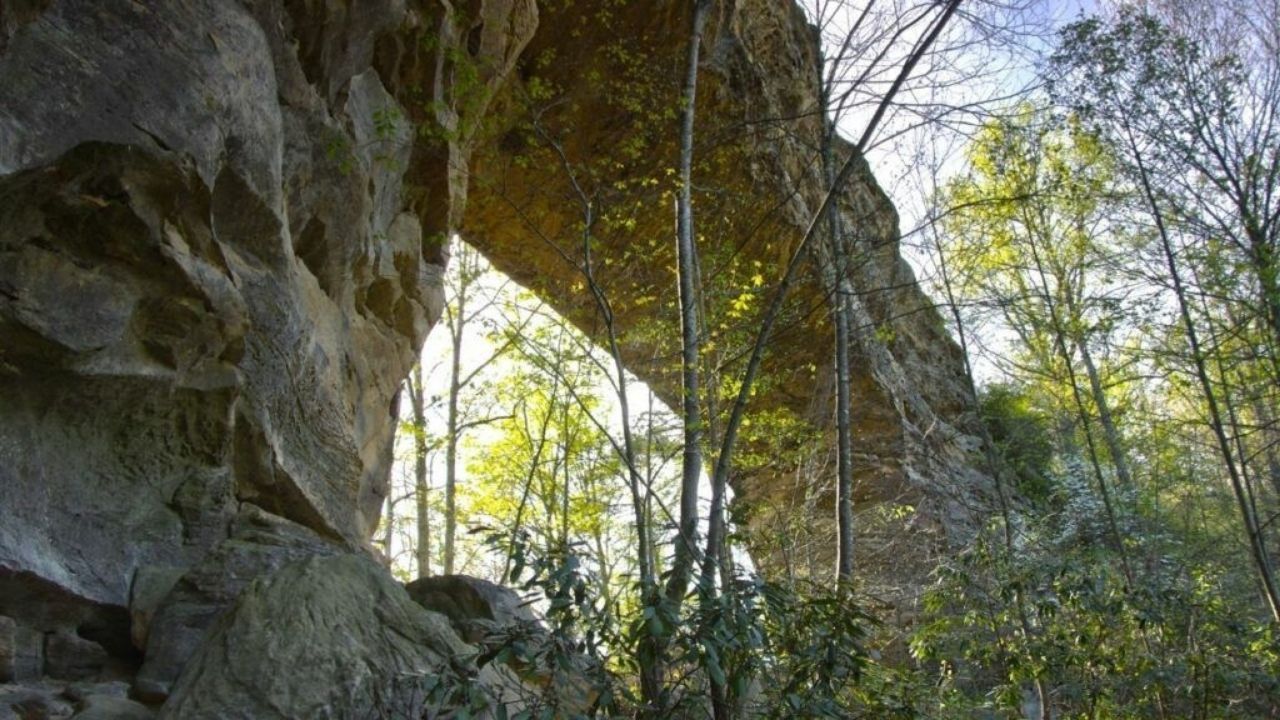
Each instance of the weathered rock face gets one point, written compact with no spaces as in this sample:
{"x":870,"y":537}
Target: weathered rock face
{"x":203,"y":302}
{"x":174,"y":625}
{"x":221,"y":245}
{"x":56,"y":700}
{"x":353,"y":642}
{"x":476,"y":607}
{"x":210,"y":289}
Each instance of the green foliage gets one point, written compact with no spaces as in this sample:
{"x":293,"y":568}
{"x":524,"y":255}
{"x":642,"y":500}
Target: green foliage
{"x":1030,"y":226}
{"x":339,"y":149}
{"x":575,"y":646}
{"x":1158,"y":617}
{"x":780,"y":651}
{"x":1022,"y":435}
{"x":1103,"y":648}
{"x":815,"y":639}
{"x":545,"y":458}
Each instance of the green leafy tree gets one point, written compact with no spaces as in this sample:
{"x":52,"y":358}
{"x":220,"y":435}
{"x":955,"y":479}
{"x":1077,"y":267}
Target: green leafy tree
{"x":1200,"y":153}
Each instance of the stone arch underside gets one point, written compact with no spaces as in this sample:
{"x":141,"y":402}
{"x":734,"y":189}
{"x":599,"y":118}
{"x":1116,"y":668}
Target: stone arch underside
{"x":589,"y":113}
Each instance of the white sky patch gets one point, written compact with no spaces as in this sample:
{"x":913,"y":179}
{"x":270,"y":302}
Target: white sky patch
{"x":497,"y":300}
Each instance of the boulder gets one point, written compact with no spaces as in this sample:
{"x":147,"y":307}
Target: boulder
{"x":476,"y":608}
{"x":544,"y":674}
{"x":110,"y":707}
{"x":260,"y":543}
{"x":33,"y":701}
{"x":21,"y":651}
{"x":68,"y":656}
{"x":326,"y":637}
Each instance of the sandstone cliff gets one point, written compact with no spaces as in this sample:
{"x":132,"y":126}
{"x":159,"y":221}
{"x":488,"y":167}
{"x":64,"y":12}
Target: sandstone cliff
{"x":221,"y":230}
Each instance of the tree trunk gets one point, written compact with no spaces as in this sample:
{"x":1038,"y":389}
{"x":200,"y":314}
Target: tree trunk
{"x":1261,"y":559}
{"x":1110,"y":435}
{"x":421,"y":488}
{"x":1271,"y":441}
{"x":994,"y":466}
{"x":457,"y":323}
{"x":691,"y":414}
{"x":1060,"y":344}
{"x":844,"y":397}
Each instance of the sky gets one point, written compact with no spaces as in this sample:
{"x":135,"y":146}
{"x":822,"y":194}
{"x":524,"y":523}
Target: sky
{"x":497,"y":300}
{"x":955,"y":94}
{"x":919,"y":145}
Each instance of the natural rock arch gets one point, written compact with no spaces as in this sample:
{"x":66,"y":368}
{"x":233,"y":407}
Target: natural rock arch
{"x":757,"y":185}
{"x":220,"y":251}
